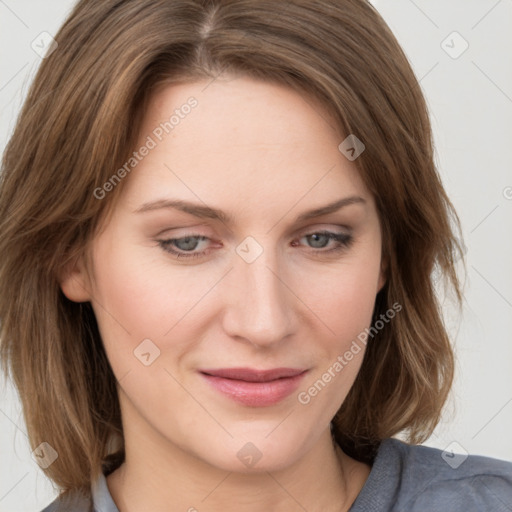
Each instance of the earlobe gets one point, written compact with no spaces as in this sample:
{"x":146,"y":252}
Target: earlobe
{"x":382,"y":282}
{"x":74,"y":282}
{"x":382,"y":276}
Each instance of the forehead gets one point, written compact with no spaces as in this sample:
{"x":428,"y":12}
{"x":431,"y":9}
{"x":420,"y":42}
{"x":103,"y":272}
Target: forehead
{"x":244,"y":141}
{"x":246,"y":100}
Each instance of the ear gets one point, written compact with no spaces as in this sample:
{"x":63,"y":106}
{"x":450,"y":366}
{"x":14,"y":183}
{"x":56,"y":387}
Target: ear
{"x":74,"y":281}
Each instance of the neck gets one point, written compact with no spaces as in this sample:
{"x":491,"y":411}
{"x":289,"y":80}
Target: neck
{"x":172,"y":479}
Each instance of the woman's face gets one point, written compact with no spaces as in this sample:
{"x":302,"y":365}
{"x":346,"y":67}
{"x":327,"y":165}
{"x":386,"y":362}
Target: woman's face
{"x":238,"y":277}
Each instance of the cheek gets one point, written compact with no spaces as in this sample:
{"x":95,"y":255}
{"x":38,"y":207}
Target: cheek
{"x":139,"y":298}
{"x":344,"y":305}
{"x":144,"y":294}
{"x":343,"y":297}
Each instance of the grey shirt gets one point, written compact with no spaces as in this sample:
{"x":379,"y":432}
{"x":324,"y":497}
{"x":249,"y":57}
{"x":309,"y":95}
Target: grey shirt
{"x":403,"y":478}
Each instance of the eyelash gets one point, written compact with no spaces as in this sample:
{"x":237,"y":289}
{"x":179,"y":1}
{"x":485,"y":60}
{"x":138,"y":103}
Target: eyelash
{"x":343,"y":239}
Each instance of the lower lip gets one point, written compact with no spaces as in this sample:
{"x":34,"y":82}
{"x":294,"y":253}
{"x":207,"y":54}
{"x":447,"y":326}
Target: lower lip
{"x":256,"y":394}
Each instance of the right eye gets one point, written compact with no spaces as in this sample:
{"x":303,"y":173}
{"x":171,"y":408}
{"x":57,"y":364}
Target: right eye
{"x":183,"y":247}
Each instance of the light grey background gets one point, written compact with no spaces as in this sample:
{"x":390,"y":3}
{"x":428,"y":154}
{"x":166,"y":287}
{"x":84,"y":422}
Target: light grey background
{"x":470,"y":100}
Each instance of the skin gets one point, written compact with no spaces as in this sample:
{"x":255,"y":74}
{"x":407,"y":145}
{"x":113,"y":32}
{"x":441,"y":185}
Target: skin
{"x":263,"y":154}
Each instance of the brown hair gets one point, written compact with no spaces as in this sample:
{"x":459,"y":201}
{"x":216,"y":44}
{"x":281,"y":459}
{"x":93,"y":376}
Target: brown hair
{"x":80,"y":122}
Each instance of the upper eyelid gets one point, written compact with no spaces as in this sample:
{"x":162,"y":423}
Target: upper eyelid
{"x":299,"y":232}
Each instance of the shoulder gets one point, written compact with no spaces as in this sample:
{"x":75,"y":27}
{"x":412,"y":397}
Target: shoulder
{"x":95,"y":499}
{"x":419,"y":478}
{"x":71,"y":502}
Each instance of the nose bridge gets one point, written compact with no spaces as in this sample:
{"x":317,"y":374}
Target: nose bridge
{"x":260,"y":308}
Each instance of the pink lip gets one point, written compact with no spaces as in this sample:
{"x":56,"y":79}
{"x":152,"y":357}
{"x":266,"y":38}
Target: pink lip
{"x":255,"y":388}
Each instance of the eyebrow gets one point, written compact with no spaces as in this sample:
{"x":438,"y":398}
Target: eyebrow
{"x":203,"y":211}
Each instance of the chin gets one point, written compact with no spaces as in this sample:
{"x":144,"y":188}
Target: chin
{"x":255,"y":453}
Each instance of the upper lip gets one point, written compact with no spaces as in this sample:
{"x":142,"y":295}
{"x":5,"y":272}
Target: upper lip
{"x":253,"y":375}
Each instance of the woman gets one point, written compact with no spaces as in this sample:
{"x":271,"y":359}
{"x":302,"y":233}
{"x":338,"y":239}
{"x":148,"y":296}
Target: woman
{"x":228,"y":216}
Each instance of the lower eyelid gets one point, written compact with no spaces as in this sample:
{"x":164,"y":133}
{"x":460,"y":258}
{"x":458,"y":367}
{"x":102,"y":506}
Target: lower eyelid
{"x":342,"y":240}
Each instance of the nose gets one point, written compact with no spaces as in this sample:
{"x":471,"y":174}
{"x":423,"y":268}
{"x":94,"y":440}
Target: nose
{"x":259,"y":307}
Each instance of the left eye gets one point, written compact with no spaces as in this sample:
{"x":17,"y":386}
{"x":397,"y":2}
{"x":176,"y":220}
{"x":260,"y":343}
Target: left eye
{"x":188,"y":244}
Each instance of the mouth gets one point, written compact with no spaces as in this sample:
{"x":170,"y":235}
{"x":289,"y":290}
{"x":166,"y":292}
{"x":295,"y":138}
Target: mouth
{"x":254,"y":388}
